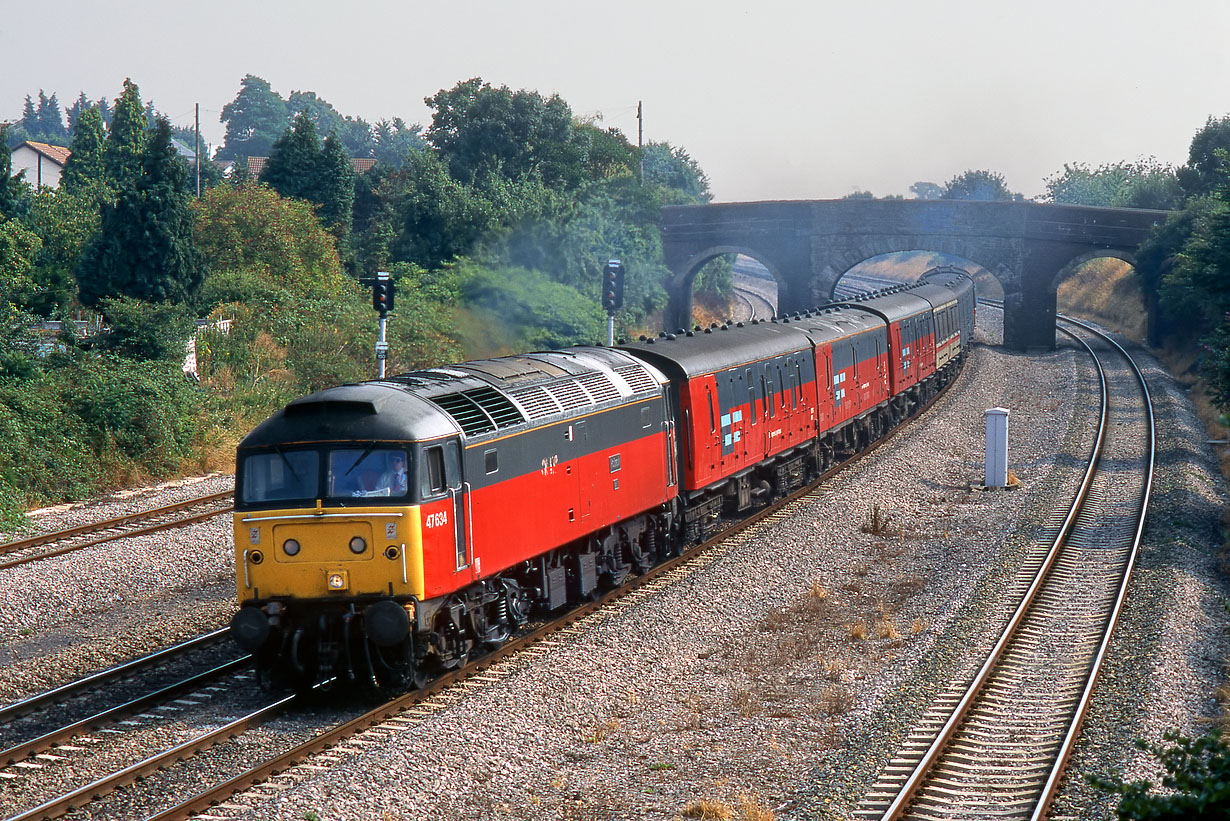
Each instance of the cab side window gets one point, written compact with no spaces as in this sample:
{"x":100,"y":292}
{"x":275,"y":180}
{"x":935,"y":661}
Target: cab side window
{"x":433,"y":472}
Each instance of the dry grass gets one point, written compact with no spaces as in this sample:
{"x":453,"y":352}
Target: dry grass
{"x":879,"y":523}
{"x":746,"y":808}
{"x":752,"y":809}
{"x":836,"y":700}
{"x":857,"y":631}
{"x":601,"y":731}
{"x":885,"y":629}
{"x":1108,"y":292}
{"x":917,"y":626}
{"x":707,"y":809}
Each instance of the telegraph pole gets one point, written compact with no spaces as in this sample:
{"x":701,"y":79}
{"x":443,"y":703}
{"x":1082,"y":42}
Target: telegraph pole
{"x":640,"y":138}
{"x":198,"y":151}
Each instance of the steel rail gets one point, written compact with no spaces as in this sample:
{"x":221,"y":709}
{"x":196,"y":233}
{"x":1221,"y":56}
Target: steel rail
{"x":906,"y":794}
{"x":329,"y":738}
{"x":110,"y":716}
{"x":960,"y":712}
{"x":83,"y":795}
{"x":102,"y":524}
{"x":48,"y":538}
{"x":1055,"y":778}
{"x":65,"y":691}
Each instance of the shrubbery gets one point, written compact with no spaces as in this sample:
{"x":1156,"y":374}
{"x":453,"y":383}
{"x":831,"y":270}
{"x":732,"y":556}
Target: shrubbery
{"x":1196,"y":784}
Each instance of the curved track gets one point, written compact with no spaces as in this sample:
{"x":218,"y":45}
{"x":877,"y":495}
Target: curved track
{"x":1003,"y":740}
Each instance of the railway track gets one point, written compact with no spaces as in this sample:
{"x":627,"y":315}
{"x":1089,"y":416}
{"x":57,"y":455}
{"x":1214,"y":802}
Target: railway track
{"x":406,"y":711}
{"x":999,"y":743}
{"x":59,"y":542}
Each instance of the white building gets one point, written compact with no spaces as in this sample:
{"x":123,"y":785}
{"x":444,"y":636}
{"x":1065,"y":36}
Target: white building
{"x":42,"y":163}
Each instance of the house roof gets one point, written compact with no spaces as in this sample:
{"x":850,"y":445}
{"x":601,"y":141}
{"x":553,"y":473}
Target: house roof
{"x":56,"y":153}
{"x":361,"y":165}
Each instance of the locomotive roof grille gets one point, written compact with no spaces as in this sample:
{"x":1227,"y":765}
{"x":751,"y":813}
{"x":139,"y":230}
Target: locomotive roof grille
{"x":536,"y":402}
{"x":480,"y":410}
{"x":570,"y":395}
{"x":637,"y":378}
{"x":599,"y":387}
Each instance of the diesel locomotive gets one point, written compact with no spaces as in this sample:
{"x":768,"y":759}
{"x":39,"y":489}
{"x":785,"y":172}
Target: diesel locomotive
{"x":386,"y":530}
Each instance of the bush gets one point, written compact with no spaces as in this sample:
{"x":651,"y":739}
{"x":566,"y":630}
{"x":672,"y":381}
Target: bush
{"x":1197,"y":779}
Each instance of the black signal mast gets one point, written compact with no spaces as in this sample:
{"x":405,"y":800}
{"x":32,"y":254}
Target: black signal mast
{"x":382,"y":301}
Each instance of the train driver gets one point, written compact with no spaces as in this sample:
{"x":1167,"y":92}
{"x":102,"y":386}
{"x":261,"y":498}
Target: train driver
{"x":394,"y":480}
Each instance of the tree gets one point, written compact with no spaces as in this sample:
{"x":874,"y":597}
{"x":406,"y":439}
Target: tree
{"x":671,"y":168}
{"x":1207,"y":170}
{"x":75,"y":111}
{"x":394,"y":140}
{"x":299,"y":166}
{"x":257,"y":244}
{"x":436,"y":217}
{"x":144,"y":248}
{"x":335,"y":187}
{"x":51,"y":119}
{"x":14,"y":193}
{"x":254,"y":120}
{"x":1144,"y":184}
{"x":610,"y":154}
{"x":354,"y":133}
{"x":291,"y":169}
{"x":979,"y":185}
{"x":483,"y":131}
{"x":926,"y":190}
{"x":65,"y":221}
{"x":125,"y":142}
{"x":85,"y":162}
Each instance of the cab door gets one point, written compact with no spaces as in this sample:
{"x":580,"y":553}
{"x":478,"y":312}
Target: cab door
{"x":447,"y":518}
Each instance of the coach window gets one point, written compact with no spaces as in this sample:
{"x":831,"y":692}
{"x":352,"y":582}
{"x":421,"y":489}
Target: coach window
{"x":491,"y":461}
{"x":646,"y":419}
{"x":433,"y":472}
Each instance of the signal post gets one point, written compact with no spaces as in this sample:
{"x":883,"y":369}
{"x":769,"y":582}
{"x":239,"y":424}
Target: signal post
{"x":382,"y":301}
{"x":612,"y":295}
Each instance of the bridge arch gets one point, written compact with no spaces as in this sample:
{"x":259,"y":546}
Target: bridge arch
{"x":809,"y":245}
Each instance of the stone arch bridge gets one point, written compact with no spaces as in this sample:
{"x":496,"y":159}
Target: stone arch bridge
{"x":808,"y":245}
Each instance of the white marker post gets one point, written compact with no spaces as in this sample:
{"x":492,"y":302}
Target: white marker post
{"x":997,"y":447}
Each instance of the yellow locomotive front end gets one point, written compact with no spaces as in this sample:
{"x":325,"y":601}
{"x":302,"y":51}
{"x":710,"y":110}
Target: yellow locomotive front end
{"x":324,"y":552}
{"x":328,"y":561}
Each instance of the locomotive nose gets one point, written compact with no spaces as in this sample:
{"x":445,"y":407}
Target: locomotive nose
{"x":250,"y":628}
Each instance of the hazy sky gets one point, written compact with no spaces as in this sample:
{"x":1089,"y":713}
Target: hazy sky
{"x":775,"y":100}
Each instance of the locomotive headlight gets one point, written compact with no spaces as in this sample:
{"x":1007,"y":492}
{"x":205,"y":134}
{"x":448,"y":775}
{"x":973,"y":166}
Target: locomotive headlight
{"x":358,"y":544}
{"x":291,"y":547}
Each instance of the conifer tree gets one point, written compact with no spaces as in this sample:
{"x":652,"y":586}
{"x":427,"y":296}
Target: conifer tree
{"x":144,"y":248}
{"x":292,"y":164}
{"x":29,"y":117}
{"x":126,"y":138}
{"x":75,"y":111}
{"x":14,"y":193}
{"x":85,"y":163}
{"x":335,"y":187}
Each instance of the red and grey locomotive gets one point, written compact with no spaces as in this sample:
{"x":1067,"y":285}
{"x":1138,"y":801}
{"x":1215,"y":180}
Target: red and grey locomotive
{"x":387,"y":529}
